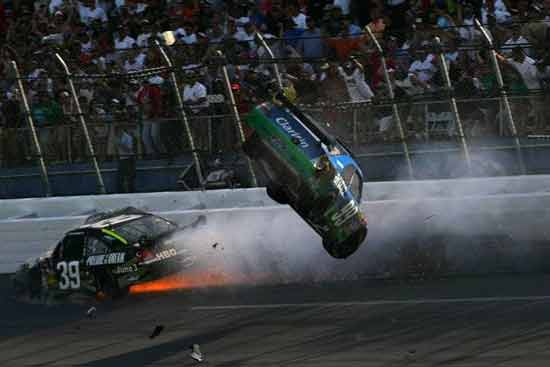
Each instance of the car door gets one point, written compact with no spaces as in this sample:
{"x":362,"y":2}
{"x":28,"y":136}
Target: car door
{"x":69,"y":261}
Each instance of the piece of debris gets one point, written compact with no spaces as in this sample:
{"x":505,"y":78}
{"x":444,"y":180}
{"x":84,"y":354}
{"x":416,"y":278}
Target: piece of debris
{"x":157,"y":331}
{"x":196,"y":353}
{"x":91,"y":312}
{"x":428,"y":218}
{"x":412,"y":351}
{"x":215,"y":245}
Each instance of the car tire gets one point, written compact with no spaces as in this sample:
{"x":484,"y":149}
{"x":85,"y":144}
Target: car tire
{"x":347,"y":247}
{"x":277,"y":194}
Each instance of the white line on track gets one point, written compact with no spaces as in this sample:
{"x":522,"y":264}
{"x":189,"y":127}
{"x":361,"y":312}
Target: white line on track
{"x":374,"y":303}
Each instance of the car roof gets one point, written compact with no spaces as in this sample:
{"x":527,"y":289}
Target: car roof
{"x":111,"y":221}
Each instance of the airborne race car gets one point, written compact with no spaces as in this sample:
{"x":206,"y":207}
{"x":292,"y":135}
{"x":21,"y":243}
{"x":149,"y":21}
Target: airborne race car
{"x":106,"y":255}
{"x":309,"y":170}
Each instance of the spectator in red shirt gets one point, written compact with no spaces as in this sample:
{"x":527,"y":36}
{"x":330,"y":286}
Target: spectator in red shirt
{"x":149,"y":98}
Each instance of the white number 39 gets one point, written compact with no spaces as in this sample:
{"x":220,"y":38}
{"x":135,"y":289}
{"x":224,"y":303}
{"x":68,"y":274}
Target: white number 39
{"x":69,"y":275}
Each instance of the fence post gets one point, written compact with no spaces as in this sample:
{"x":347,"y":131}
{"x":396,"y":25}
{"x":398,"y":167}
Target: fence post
{"x":452,"y":101}
{"x":83,"y":124}
{"x":395,"y":110}
{"x":272,"y":56}
{"x":34,"y":136}
{"x":236,"y":116}
{"x":182,"y":114}
{"x":503,"y":95}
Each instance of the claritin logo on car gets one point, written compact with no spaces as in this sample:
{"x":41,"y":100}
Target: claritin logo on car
{"x":286,"y":125}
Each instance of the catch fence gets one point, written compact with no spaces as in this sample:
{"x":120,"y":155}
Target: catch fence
{"x":461,"y":104}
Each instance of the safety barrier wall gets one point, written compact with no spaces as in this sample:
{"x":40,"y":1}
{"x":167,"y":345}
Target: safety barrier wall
{"x":454,"y":234}
{"x":170,"y":201}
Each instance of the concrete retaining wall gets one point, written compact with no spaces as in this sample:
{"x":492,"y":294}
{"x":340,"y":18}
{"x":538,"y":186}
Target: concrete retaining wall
{"x":499,"y":232}
{"x":170,"y":201}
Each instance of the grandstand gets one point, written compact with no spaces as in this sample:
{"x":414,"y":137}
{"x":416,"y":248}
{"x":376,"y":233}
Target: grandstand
{"x":101,"y":94}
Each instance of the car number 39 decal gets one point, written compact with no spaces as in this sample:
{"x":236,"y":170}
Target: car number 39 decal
{"x":69,"y":275}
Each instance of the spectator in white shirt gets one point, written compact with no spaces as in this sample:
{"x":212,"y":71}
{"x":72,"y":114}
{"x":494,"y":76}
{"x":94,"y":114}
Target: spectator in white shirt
{"x":354,"y":76}
{"x":91,"y":13}
{"x":247,"y":35}
{"x":134,"y":60}
{"x":515,"y":40}
{"x":423,"y":66}
{"x":525,"y":66}
{"x":527,"y":69}
{"x":124,"y":41}
{"x":195,"y":100}
{"x":144,"y":38}
{"x":298,"y":17}
{"x":186,"y":35}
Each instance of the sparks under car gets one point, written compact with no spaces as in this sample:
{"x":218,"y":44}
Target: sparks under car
{"x":106,"y":255}
{"x":309,"y":170}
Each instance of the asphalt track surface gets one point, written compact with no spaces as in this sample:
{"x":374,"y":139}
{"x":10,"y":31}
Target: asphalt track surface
{"x":485,"y":321}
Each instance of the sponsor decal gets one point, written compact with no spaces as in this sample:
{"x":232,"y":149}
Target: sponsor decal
{"x":290,"y":130}
{"x":123,"y":269}
{"x":163,"y":255}
{"x":106,"y":259}
{"x":166,"y":254}
{"x":345,"y":214}
{"x":340,"y":184}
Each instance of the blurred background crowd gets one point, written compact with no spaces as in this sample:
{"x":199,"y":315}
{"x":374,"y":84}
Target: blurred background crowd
{"x":326,"y":58}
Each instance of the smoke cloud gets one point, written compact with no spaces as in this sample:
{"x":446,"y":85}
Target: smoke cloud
{"x":464,"y":226}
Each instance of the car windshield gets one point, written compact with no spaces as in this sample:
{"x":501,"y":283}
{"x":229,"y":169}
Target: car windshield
{"x":149,"y":226}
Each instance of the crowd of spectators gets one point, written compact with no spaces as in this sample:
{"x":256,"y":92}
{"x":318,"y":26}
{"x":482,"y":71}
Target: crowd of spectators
{"x":322,"y":50}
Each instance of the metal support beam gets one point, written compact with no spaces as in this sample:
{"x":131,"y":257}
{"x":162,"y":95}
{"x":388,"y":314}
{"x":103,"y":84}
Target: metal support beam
{"x":34,"y":136}
{"x":395,"y":110}
{"x":503,"y":95}
{"x":237,"y":118}
{"x":452,"y":102}
{"x":272,"y":56}
{"x":182,"y":115}
{"x":83,"y":125}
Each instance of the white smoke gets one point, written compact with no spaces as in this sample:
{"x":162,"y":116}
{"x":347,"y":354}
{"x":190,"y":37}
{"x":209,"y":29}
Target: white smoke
{"x":446,"y":217}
